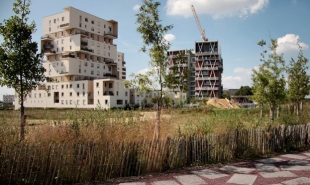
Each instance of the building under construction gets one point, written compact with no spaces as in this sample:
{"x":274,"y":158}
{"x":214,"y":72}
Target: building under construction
{"x":205,"y":65}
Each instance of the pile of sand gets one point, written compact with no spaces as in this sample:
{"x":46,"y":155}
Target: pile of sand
{"x":222,"y":104}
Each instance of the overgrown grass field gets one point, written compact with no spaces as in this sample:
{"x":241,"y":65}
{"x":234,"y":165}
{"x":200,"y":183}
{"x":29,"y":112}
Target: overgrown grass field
{"x":45,"y":126}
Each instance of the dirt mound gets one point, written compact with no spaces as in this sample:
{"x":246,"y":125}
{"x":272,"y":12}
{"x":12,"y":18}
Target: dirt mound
{"x":222,"y":104}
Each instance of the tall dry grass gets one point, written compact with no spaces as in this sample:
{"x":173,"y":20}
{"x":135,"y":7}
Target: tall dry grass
{"x":45,"y":126}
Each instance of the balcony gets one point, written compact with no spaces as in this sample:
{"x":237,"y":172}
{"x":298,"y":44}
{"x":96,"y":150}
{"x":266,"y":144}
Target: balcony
{"x":207,"y":88}
{"x":48,"y":46}
{"x":206,"y":78}
{"x":84,"y":43}
{"x":83,"y":33}
{"x":46,"y":37}
{"x":49,"y":52}
{"x":110,"y":35}
{"x":86,"y":49}
{"x":109,"y":62}
{"x":67,"y":56}
{"x":108,"y":93}
{"x":110,"y":75}
{"x":64,"y":26}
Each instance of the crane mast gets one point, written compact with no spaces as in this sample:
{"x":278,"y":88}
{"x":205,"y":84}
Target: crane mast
{"x":202,"y":31}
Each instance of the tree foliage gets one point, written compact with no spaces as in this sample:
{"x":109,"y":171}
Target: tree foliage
{"x":244,"y":91}
{"x":20,"y":65}
{"x":268,"y":80}
{"x":298,"y":80}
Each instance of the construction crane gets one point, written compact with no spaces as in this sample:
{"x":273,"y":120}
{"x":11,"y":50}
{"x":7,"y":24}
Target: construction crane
{"x":202,"y":31}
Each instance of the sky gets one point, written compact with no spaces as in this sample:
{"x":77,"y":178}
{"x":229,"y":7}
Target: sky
{"x":238,"y":25}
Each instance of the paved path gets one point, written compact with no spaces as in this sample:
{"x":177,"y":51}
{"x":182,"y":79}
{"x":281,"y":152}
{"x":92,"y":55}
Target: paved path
{"x":287,"y":169}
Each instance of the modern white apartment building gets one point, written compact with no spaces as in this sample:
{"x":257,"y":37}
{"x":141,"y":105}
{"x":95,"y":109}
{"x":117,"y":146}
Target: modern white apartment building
{"x":82,"y":60}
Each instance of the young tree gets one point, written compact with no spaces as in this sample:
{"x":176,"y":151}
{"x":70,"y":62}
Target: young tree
{"x":156,"y":46}
{"x":20,"y":65}
{"x":268,"y":81}
{"x":298,"y":80}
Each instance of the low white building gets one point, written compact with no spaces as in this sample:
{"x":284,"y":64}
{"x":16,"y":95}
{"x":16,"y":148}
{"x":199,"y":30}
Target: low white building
{"x":146,"y":97}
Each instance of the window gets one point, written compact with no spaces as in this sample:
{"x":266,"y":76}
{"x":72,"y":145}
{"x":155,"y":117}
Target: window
{"x":50,"y":22}
{"x":80,"y":18}
{"x":77,"y":85}
{"x":57,"y":49}
{"x":92,"y":72}
{"x":62,"y":41}
{"x":70,"y":47}
{"x":77,"y":94}
{"x":98,"y":73}
{"x":70,"y":93}
{"x":62,"y":33}
{"x":80,"y":25}
{"x":110,"y":68}
{"x":92,"y":65}
{"x":86,"y":19}
{"x":62,"y":64}
{"x":39,"y":95}
{"x":62,"y":48}
{"x":110,"y":85}
{"x":85,"y":63}
{"x":49,"y":29}
{"x":98,"y":66}
{"x":85,"y":26}
{"x":116,"y":93}
{"x":63,"y":18}
{"x":119,"y":102}
{"x":92,"y":29}
{"x":54,"y":20}
{"x":92,"y":21}
{"x":70,"y":86}
{"x":62,"y":101}
{"x":48,"y":94}
{"x":62,"y":94}
{"x":126,"y":93}
{"x":97,"y":84}
{"x":106,"y":102}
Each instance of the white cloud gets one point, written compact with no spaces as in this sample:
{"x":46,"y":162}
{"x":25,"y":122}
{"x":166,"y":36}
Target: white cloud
{"x":215,"y":8}
{"x":287,"y":44}
{"x":144,"y":71}
{"x":136,"y":7}
{"x":243,"y":71}
{"x":169,"y":37}
{"x":242,"y":78}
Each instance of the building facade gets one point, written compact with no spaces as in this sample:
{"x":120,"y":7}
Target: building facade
{"x":205,"y":68}
{"x":82,"y":61}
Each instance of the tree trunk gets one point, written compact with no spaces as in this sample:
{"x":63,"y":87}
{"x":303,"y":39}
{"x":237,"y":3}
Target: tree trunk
{"x":301,"y":105}
{"x":22,"y":119}
{"x":278,"y":111}
{"x":261,"y":112}
{"x":297,"y":108}
{"x":272,"y":112}
{"x":157,"y":123}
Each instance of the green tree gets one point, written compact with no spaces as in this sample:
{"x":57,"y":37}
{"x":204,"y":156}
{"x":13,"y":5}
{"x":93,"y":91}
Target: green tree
{"x":244,"y":91}
{"x":298,"y":80}
{"x":20,"y":65}
{"x":268,"y":80}
{"x":154,"y":44}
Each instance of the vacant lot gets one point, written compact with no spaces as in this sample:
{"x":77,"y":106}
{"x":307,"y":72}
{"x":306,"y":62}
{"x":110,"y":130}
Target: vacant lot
{"x":70,"y":125}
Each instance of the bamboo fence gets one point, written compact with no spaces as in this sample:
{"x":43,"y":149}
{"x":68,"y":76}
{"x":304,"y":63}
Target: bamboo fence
{"x":91,"y":162}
